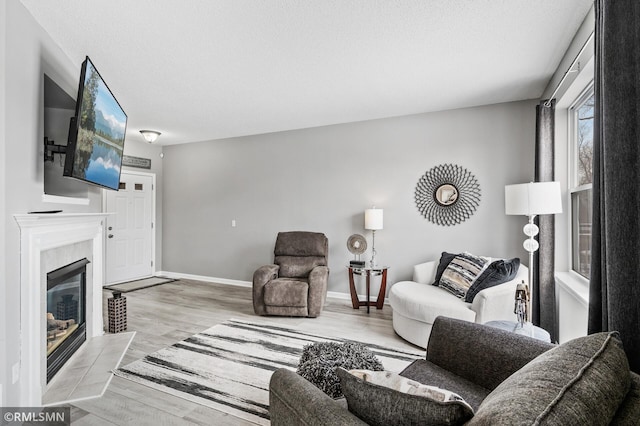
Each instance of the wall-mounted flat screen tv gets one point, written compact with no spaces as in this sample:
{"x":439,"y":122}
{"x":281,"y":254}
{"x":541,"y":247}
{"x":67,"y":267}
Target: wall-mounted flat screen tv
{"x":96,"y":134}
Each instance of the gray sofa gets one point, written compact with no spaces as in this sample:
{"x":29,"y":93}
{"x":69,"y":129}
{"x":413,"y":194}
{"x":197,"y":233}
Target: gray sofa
{"x":508,"y":379}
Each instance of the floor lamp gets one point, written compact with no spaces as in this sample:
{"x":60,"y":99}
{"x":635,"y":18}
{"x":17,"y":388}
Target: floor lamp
{"x":532,"y":199}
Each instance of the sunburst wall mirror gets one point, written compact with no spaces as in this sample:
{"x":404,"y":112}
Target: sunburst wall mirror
{"x":447,"y":194}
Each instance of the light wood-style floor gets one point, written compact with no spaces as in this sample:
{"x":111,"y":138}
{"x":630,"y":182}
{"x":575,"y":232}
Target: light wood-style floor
{"x":171,"y":312}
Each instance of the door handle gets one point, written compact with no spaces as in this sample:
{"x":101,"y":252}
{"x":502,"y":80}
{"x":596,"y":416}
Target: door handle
{"x":110,"y":235}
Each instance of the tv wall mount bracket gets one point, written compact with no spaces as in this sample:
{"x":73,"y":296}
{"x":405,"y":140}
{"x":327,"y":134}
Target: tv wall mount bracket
{"x":50,"y":149}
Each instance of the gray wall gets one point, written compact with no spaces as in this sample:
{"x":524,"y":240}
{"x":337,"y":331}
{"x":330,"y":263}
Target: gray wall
{"x":56,"y":128}
{"x":27,"y":53}
{"x":3,"y":241}
{"x":322,"y":179}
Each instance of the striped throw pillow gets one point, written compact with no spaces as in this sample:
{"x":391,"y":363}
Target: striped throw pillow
{"x":462,"y":272}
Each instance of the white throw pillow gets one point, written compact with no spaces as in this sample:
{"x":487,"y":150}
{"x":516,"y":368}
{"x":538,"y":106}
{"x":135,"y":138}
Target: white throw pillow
{"x":405,"y":401}
{"x":402,"y":384}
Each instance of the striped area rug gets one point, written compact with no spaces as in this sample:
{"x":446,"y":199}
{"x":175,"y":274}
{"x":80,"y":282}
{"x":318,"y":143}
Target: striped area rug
{"x":228,"y":366}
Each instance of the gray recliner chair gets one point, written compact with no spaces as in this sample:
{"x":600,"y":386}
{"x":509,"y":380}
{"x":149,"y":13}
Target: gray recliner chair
{"x":296,"y":284}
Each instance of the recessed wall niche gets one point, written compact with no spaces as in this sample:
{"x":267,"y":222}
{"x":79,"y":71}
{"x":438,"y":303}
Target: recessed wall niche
{"x":59,"y":107}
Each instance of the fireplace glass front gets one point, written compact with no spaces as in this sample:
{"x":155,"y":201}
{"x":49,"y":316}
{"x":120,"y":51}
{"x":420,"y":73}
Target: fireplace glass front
{"x":65,"y":316}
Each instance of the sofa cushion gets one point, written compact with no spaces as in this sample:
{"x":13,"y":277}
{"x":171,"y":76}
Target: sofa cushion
{"x":424,"y":371}
{"x":579,"y":382}
{"x":462,"y":272}
{"x":286,"y":292}
{"x":298,"y":266}
{"x":498,"y":272}
{"x":301,"y":243}
{"x":381,"y":403}
{"x":629,"y":411}
{"x":423,"y":302}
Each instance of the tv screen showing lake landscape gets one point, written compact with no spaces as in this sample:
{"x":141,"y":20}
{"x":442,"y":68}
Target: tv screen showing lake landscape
{"x":100,"y":131}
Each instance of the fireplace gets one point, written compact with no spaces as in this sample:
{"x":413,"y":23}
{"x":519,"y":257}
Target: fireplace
{"x":65,"y":313}
{"x":47,"y":243}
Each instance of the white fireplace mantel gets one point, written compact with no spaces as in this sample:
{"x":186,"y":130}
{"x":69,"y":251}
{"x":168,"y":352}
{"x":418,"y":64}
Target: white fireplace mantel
{"x":38,"y":233}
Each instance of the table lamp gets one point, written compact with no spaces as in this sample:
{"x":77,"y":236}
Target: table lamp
{"x":373,"y":222}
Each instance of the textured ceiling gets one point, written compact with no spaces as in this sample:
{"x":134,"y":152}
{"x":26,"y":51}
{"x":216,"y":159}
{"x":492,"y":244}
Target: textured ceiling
{"x":200,"y":70}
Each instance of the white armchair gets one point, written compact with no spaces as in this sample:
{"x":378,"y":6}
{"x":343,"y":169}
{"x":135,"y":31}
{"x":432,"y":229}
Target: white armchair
{"x":417,"y":303}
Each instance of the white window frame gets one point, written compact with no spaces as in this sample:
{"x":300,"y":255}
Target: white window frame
{"x":572,"y":183}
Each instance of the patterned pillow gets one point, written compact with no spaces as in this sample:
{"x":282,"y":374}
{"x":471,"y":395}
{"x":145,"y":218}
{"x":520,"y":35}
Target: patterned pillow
{"x":385,"y":398}
{"x":462,"y":272}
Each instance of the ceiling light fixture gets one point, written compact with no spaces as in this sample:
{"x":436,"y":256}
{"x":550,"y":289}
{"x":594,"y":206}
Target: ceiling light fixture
{"x":150,"y":135}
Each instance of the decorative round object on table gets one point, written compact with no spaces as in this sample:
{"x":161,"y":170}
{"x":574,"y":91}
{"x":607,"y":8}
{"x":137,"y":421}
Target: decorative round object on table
{"x":356,"y":244}
{"x":447,"y":194}
{"x":319,"y":361}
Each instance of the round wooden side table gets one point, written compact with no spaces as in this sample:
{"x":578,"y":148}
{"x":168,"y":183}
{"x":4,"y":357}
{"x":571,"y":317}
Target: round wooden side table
{"x":368,"y":272}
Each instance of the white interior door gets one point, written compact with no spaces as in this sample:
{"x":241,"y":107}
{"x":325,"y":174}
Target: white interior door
{"x":130,"y":229}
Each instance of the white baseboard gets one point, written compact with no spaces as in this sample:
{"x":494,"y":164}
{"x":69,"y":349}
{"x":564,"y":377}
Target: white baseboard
{"x":240,"y":283}
{"x":338,"y":295}
{"x":347,"y":296}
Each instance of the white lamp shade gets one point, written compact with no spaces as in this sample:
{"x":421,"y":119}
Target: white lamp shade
{"x":533,"y":198}
{"x":373,"y":219}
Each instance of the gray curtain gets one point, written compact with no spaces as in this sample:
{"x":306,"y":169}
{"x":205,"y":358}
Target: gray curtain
{"x":614,"y":291}
{"x":544,"y":288}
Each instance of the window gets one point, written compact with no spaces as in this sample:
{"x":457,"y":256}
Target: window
{"x":581,"y":116}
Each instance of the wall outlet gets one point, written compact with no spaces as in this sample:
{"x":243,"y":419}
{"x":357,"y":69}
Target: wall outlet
{"x":233,"y":223}
{"x":16,"y":372}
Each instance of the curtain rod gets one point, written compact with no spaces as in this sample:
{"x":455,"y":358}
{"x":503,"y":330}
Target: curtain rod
{"x":566,"y":74}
